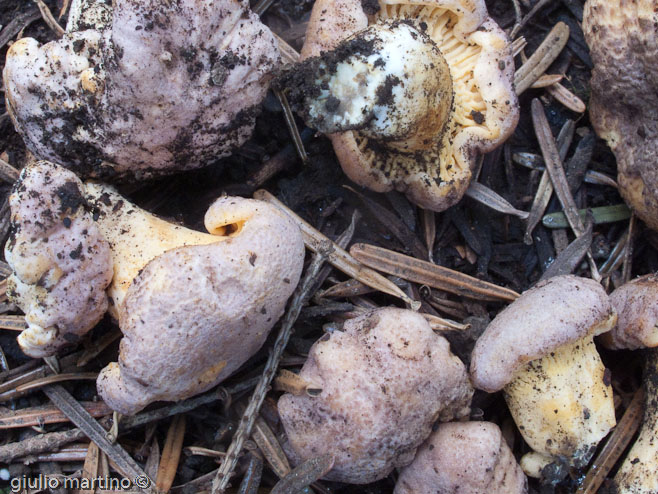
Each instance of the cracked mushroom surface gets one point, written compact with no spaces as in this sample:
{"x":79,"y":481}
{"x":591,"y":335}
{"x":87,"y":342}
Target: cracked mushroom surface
{"x":624,"y":48}
{"x":384,"y":380}
{"x":463,"y":458}
{"x":470,"y":108}
{"x":168,"y":86}
{"x":60,"y":260}
{"x":540,"y":351}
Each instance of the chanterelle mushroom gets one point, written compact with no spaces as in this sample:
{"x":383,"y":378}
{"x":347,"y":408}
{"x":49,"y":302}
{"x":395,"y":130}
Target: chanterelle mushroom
{"x":624,"y":47}
{"x":384,"y":380}
{"x":464,"y":458}
{"x":412,"y":94}
{"x":540,"y":351}
{"x":61,"y":262}
{"x":169,"y":86}
{"x":192,"y":306}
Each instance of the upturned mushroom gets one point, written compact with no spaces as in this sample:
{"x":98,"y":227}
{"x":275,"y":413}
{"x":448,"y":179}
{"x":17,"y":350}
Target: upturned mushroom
{"x":636,"y":303}
{"x":623,"y":45}
{"x":464,"y":458}
{"x":192,"y":306}
{"x":540,"y":351}
{"x":61,"y":262}
{"x":410,"y":93}
{"x":168,"y":86}
{"x":384,"y":380}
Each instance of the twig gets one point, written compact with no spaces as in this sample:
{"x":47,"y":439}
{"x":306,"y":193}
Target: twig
{"x":27,"y":417}
{"x":539,"y":5}
{"x":49,"y":19}
{"x":292,"y":125}
{"x":56,"y":378}
{"x":299,"y":299}
{"x":558,"y":177}
{"x":18,"y":23}
{"x":338,"y":257}
{"x":80,"y":417}
{"x":429,"y":274}
{"x":542,"y":58}
{"x":614,"y":446}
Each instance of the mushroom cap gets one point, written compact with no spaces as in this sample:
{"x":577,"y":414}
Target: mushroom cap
{"x":61,"y":263}
{"x":196,"y":313}
{"x":624,"y":48}
{"x":385,"y":379}
{"x":485,"y":113}
{"x":463,"y":457}
{"x":169,"y":86}
{"x":554,"y":312}
{"x":636,"y":303}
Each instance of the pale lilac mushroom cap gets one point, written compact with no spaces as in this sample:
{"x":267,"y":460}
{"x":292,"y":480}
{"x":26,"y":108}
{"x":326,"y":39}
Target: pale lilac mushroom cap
{"x":196,"y":313}
{"x":168,"y":86}
{"x":463,"y":458}
{"x":61,"y":262}
{"x":555,"y":312}
{"x":636,"y":303}
{"x":384,"y":380}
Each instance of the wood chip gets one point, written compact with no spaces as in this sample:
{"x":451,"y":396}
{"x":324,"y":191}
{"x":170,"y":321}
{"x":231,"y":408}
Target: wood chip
{"x":270,"y":447}
{"x":304,"y":475}
{"x":292,"y":383}
{"x":615,"y":446}
{"x":542,"y":58}
{"x":556,"y":172}
{"x":171,"y":454}
{"x":125,"y":464}
{"x":429,"y":274}
{"x":493,"y":200}
{"x":338,"y":257}
{"x":47,"y":414}
{"x":566,"y":97}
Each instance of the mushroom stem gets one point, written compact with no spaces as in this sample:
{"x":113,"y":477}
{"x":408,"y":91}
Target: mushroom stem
{"x":562,"y":404}
{"x":637,"y":475}
{"x":389,"y":81}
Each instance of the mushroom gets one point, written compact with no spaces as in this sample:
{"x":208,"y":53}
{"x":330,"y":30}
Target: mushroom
{"x":540,"y":351}
{"x":409,"y":93}
{"x":61,"y":262}
{"x":623,"y":44}
{"x":463,"y":457}
{"x":192,"y":306}
{"x":169,"y":86}
{"x":636,"y":304}
{"x":384,"y":380}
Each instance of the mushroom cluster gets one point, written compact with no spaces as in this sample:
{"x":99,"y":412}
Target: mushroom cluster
{"x":409,"y":92}
{"x":175,"y":292}
{"x":167,"y":86}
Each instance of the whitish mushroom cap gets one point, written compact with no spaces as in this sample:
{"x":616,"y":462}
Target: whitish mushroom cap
{"x":61,"y":262}
{"x":555,"y":312}
{"x":385,"y":380}
{"x":196,"y":313}
{"x":636,"y":304}
{"x":624,"y":47}
{"x":169,"y":86}
{"x":485,"y":105}
{"x":464,"y":458}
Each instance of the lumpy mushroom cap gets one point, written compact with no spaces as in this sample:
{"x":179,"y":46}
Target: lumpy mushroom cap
{"x":195,"y":313}
{"x":485,"y":105}
{"x":624,"y":48}
{"x":554,"y":313}
{"x":636,"y":303}
{"x":169,"y":86}
{"x":61,"y":262}
{"x":385,"y":379}
{"x":464,"y":458}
